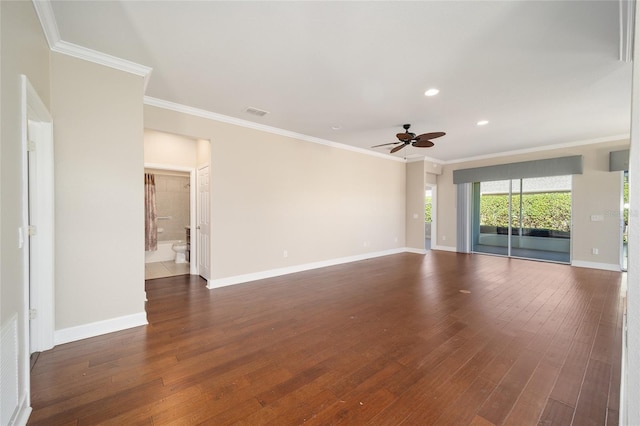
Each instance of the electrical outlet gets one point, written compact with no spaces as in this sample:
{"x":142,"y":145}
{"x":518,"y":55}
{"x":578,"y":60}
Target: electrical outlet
{"x":285,"y":253}
{"x":594,"y":251}
{"x":444,"y":238}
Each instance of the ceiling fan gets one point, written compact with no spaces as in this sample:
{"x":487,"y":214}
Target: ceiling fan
{"x":408,"y":138}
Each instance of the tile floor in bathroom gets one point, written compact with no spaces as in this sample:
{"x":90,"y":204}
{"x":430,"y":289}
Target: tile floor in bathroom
{"x":164,"y":269}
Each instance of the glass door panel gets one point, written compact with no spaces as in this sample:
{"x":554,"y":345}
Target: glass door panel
{"x":491,"y":218}
{"x":528,"y":218}
{"x":546,"y":219}
{"x":516,"y":215}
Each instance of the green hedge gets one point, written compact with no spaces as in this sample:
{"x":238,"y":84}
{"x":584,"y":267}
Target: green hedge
{"x":542,"y":211}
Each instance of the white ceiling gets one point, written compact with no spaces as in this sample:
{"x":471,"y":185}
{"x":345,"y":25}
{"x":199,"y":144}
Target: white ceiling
{"x":542,"y":72}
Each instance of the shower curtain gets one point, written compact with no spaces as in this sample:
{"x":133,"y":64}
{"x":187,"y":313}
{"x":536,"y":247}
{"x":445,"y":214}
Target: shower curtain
{"x":151,"y":213}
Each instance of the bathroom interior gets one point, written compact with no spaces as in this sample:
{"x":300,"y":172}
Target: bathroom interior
{"x":172,"y":197}
{"x":171,"y":160}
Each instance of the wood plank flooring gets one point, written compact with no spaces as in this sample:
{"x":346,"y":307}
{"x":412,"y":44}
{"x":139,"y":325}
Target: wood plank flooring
{"x":386,"y":341}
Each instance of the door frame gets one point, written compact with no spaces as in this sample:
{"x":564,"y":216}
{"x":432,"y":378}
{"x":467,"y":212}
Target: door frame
{"x":193,"y":267}
{"x":624,"y":261}
{"x":200,"y":167}
{"x":38,"y":205}
{"x":434,"y":213}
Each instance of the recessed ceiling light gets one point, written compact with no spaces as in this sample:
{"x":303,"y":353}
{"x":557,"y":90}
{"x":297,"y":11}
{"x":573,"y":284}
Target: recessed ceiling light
{"x":431,"y":92}
{"x":482,"y":123}
{"x":336,"y":127}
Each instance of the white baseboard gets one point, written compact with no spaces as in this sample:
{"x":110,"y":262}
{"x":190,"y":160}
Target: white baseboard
{"x":85,"y":331}
{"x":239,"y":279}
{"x":414,"y":250}
{"x":444,"y":248}
{"x":23,"y":413}
{"x":596,"y":265}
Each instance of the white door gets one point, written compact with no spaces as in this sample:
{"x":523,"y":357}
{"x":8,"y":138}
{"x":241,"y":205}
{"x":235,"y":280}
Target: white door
{"x":38,"y":227}
{"x":204,"y":227}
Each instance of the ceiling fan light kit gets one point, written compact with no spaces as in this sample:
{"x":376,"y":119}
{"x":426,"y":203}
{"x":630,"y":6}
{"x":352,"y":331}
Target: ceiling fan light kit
{"x":408,"y":138}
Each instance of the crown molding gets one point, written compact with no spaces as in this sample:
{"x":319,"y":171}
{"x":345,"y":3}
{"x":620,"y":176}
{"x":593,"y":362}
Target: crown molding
{"x":56,"y":44}
{"x":425,"y":158}
{"x":627,"y":8}
{"x":47,"y":21}
{"x":173,"y":106}
{"x":103,"y":59}
{"x":541,"y":148}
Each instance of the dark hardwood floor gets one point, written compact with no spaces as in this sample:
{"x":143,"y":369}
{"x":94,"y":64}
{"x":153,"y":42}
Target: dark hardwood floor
{"x":409,"y":339}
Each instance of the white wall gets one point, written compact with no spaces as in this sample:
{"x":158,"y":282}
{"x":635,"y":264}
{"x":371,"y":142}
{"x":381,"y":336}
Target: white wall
{"x":272,"y":193}
{"x":630,"y":397}
{"x":596,"y":192}
{"x":24,"y":51}
{"x":99,"y":196}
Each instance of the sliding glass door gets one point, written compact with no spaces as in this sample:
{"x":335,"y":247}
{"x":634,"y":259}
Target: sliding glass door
{"x":528,"y":218}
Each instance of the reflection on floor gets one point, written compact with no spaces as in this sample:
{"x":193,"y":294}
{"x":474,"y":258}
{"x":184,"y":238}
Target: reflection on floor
{"x":552,"y":256}
{"x":164,"y":269}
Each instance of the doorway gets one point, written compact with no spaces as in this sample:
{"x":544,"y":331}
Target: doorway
{"x":176,"y":207}
{"x":37,"y":232}
{"x":430,"y":216}
{"x":528,"y":218}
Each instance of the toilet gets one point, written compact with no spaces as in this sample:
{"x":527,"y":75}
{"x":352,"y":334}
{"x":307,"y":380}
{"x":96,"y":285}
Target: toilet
{"x":180,"y":248}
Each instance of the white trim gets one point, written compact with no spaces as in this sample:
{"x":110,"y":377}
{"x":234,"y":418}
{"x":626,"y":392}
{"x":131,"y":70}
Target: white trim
{"x":47,"y":21}
{"x":56,"y":44}
{"x":38,"y":205}
{"x":541,"y":148}
{"x":100,"y":58}
{"x":434,"y":212}
{"x":622,"y":415}
{"x":626,"y":8}
{"x":444,"y":248}
{"x":425,"y":158}
{"x":239,"y":279}
{"x":415,"y":250}
{"x":596,"y":265}
{"x":197,"y":112}
{"x":99,"y":328}
{"x":23,"y":413}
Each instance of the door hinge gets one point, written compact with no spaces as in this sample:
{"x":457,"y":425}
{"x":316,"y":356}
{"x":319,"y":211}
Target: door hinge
{"x":31,"y":146}
{"x":33,"y":314}
{"x":32,"y":230}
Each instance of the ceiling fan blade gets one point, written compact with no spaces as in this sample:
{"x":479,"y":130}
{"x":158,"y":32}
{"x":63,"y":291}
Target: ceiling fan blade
{"x":405,"y":137}
{"x":398,"y":148}
{"x":423,"y":144}
{"x":385,"y":144}
{"x":433,"y":135}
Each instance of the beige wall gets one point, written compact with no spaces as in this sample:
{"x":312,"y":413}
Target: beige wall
{"x":99,"y":188}
{"x":24,"y":51}
{"x":203,"y":152}
{"x":272,"y":193}
{"x":169,"y":149}
{"x":596,"y":192}
{"x":415,"y":205}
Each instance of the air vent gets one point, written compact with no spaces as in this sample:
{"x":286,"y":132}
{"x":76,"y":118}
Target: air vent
{"x":256,"y":111}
